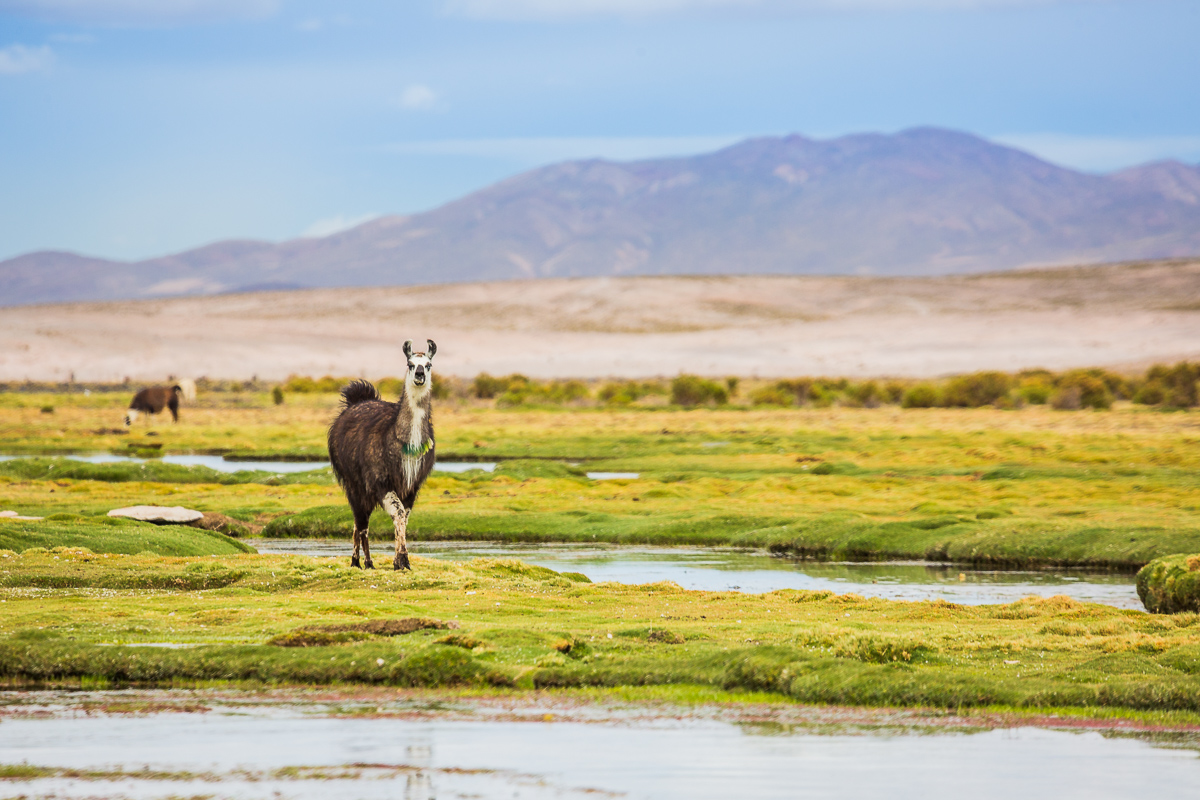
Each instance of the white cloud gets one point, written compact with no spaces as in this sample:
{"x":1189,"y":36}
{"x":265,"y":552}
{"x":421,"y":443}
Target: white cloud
{"x":17,"y":59}
{"x":1103,"y":153}
{"x":335,"y":224}
{"x":140,"y":12}
{"x":418,"y":98}
{"x":310,"y":25}
{"x":564,"y":9}
{"x":72,"y":38}
{"x":547,"y":149}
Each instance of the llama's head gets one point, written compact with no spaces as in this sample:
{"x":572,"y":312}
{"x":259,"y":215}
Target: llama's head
{"x":420,"y":365}
{"x":131,"y":416}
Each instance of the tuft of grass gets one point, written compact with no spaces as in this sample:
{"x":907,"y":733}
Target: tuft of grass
{"x":1170,"y":585}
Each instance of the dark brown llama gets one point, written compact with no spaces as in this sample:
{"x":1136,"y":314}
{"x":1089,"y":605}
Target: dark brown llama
{"x":382,"y":452}
{"x":152,"y":400}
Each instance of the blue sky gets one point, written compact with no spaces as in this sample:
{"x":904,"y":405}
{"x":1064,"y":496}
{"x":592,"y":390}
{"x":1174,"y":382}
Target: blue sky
{"x":135,"y":128}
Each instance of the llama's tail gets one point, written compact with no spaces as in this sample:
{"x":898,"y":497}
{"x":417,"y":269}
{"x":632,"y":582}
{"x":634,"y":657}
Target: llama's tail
{"x":359,"y":391}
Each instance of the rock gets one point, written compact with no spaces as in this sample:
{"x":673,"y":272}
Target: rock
{"x":14,"y":515}
{"x":177,"y":515}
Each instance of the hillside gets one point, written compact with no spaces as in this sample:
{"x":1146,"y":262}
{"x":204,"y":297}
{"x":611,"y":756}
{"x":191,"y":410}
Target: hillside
{"x":920,"y":202}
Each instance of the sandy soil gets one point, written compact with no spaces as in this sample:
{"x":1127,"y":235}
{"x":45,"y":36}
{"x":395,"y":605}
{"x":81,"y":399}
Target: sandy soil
{"x":1122,"y":316}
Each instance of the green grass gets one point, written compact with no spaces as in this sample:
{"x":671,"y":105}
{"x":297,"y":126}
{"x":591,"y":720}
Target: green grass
{"x":115,"y":535}
{"x":1102,"y":489}
{"x":525,"y":627}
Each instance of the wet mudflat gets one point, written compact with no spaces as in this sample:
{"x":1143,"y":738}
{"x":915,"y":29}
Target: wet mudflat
{"x":727,"y":569}
{"x":116,"y":745}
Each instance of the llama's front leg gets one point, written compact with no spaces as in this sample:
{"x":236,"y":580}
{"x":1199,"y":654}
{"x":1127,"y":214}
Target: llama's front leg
{"x":354,"y":558}
{"x":399,"y":515}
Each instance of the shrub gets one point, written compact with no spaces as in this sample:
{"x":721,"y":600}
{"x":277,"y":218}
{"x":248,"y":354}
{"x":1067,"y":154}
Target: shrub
{"x":866,"y":394}
{"x":893,"y":391}
{"x":773,"y":395}
{"x":799,"y":388}
{"x":1152,"y":393}
{"x":1067,"y":399}
{"x":690,"y":390}
{"x":1178,"y":382}
{"x":622,"y":393}
{"x":389,"y":387}
{"x":301,"y":384}
{"x":440,"y":388}
{"x":1035,"y":391}
{"x":977,"y":389}
{"x":330,"y":384}
{"x":923,"y":395}
{"x":277,"y":396}
{"x":522,"y":391}
{"x":1093,"y":391}
{"x":485,"y":387}
{"x":731,"y":384}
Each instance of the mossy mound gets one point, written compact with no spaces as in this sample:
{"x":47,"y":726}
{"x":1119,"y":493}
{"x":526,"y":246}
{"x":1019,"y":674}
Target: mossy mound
{"x":1171,"y":584}
{"x":116,"y":535}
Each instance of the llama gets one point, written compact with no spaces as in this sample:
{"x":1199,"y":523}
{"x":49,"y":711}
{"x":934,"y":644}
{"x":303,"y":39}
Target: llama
{"x":152,"y":400}
{"x":382,"y":452}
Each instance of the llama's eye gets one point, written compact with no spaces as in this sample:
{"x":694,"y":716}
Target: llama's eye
{"x":410,"y":366}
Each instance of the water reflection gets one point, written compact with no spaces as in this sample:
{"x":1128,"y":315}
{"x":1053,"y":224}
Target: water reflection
{"x":724,"y":569}
{"x":301,"y":755}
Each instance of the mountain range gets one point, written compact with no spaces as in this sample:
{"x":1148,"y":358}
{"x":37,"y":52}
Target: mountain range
{"x":924,"y":201}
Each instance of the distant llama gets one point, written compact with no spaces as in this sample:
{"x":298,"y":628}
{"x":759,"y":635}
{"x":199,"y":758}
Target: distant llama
{"x":152,"y":400}
{"x":382,"y":452}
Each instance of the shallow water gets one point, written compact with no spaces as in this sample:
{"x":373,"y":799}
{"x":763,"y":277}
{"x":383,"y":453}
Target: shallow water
{"x":695,"y":759}
{"x":723,"y":569}
{"x":220,"y":464}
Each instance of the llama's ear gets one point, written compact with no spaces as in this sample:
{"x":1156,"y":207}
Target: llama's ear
{"x":408,"y":349}
{"x":432,"y":348}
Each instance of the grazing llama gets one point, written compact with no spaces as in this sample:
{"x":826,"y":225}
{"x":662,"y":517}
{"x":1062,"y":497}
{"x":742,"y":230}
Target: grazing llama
{"x":153,"y":400}
{"x":382,"y":452}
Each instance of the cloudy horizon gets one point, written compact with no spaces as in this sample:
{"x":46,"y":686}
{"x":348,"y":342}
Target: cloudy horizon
{"x":139,"y":128}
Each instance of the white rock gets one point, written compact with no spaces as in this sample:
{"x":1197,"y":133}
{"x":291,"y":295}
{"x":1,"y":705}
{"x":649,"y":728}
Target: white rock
{"x":14,"y":515}
{"x":177,"y":514}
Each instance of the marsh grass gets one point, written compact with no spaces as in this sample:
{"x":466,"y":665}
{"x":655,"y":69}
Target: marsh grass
{"x":1030,"y":486}
{"x":526,"y":627}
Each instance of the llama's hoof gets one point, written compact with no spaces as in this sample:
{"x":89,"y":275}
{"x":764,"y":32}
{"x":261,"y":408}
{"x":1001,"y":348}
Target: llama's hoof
{"x":369,"y":564}
{"x":401,"y":562}
{"x":354,"y":563}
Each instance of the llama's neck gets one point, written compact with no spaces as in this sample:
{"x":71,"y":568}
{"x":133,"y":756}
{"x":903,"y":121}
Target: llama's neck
{"x":415,"y":409}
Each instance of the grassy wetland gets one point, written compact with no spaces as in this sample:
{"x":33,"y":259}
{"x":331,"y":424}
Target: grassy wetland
{"x":1029,"y":486}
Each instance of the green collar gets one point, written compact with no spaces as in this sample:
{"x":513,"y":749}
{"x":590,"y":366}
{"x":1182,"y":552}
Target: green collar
{"x":416,"y":452}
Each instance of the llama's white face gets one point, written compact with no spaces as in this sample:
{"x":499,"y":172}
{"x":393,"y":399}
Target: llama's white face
{"x":131,"y":416}
{"x":420,"y":369}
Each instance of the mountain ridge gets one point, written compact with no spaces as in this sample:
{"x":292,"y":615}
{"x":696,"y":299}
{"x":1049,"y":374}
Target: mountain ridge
{"x":925,"y":201}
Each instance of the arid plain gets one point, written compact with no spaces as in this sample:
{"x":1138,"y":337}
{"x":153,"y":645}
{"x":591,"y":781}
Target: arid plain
{"x":1126,"y":315}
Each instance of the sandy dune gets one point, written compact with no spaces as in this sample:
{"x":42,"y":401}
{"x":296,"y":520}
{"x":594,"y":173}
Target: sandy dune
{"x":1124,"y":315}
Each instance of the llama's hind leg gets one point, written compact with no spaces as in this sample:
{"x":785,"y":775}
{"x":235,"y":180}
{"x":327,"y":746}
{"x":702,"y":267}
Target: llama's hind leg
{"x":361,"y":523}
{"x":399,"y":515}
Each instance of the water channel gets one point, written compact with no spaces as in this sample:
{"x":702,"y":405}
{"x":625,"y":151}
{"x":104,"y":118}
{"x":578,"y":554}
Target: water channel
{"x":728,"y":569}
{"x":711,"y":569}
{"x":304,"y":753}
